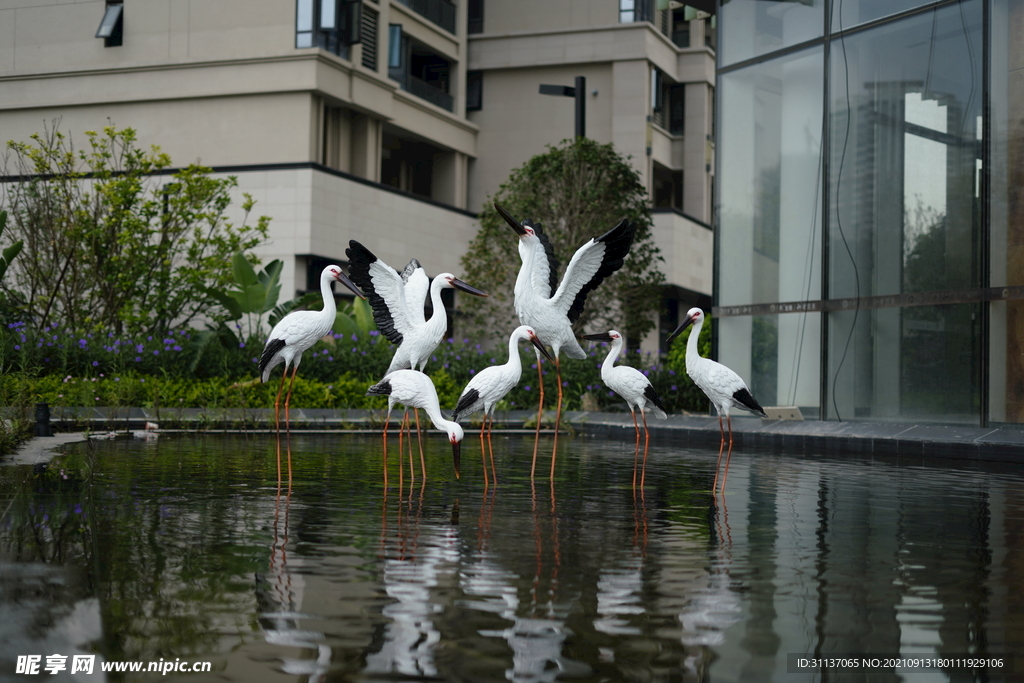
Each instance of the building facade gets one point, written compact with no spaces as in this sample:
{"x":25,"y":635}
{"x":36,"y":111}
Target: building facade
{"x":386,"y":121}
{"x":867,"y":258}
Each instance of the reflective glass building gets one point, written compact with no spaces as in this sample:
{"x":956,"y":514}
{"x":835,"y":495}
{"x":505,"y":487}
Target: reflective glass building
{"x":870,"y":210}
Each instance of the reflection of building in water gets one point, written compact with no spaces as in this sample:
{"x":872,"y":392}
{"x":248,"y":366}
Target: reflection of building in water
{"x":834,"y":558}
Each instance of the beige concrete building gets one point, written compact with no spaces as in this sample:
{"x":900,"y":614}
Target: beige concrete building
{"x":386,"y":121}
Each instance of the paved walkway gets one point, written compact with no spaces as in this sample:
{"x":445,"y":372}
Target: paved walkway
{"x":41,"y":448}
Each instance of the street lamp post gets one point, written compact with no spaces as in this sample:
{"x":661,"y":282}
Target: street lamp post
{"x":578,"y":92}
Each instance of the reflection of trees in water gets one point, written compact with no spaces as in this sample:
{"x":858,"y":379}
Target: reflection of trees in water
{"x":46,"y":592}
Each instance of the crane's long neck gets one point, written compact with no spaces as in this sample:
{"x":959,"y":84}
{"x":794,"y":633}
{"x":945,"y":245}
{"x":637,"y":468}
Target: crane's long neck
{"x":692,"y":355}
{"x":330,"y":309}
{"x":613,"y":354}
{"x":438,"y":322}
{"x":514,"y":361}
{"x":433,"y":411}
{"x":527,"y":256}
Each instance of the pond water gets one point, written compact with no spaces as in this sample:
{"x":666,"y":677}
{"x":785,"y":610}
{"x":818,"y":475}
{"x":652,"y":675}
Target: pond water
{"x":184,"y":549}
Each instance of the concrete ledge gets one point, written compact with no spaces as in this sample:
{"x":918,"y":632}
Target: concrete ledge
{"x":814,"y":438}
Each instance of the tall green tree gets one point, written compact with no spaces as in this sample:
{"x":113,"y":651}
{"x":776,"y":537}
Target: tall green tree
{"x":577,"y":190}
{"x":110,"y":242}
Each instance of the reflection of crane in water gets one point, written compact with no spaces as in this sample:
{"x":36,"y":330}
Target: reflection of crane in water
{"x":416,"y":561}
{"x":279,"y":597}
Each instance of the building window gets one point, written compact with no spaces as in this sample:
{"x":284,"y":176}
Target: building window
{"x":474,"y":90}
{"x":668,"y":103}
{"x":419,"y":70}
{"x":475,"y":11}
{"x":636,"y":10}
{"x":333,"y":25}
{"x":111,"y":28}
{"x":440,"y":12}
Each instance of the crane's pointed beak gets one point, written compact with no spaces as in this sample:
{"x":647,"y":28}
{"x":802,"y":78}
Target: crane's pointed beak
{"x":343,"y":279}
{"x":679,"y":330}
{"x":468,"y":288}
{"x":601,"y":337}
{"x":543,"y":349}
{"x":515,"y":225}
{"x":457,"y":458}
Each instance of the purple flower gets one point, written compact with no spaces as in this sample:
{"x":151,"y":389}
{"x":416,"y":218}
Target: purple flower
{"x":241,"y":345}
{"x":526,"y":388}
{"x":95,"y":363}
{"x":673,"y":387}
{"x":17,"y":347}
{"x":178,"y":348}
{"x":472,"y":371}
{"x":156,"y":352}
{"x":138,"y":358}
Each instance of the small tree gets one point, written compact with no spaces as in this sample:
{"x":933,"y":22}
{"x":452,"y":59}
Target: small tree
{"x":577,"y":190}
{"x":110,"y":244}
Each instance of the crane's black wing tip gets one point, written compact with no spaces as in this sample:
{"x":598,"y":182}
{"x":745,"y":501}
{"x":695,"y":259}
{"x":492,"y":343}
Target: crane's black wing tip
{"x":465,"y":401}
{"x":747,"y":400}
{"x":651,"y":395}
{"x":382,"y":388}
{"x":269,"y":351}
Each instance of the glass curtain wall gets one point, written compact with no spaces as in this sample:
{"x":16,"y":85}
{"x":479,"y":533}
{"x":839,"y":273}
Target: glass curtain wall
{"x":905,"y":102}
{"x":1006,"y":212}
{"x":770,"y":224}
{"x":909,"y":207}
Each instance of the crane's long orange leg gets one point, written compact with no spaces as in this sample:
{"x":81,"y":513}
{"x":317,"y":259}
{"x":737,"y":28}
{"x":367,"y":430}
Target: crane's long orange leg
{"x":483,"y":450}
{"x":419,"y":440}
{"x":277,"y":420}
{"x":387,"y":421}
{"x":721,"y":445}
{"x":636,"y":451}
{"x":558,"y":416}
{"x":490,"y":445}
{"x":540,"y":415}
{"x":728,"y":457}
{"x":407,"y":423}
{"x":288,"y":419}
{"x":647,"y":443}
{"x":401,"y":454}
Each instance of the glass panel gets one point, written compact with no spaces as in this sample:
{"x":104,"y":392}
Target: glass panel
{"x":328,"y":18}
{"x":110,"y":17}
{"x":905,"y":144}
{"x":769,"y":224}
{"x":853,"y":12}
{"x":914,"y":363}
{"x":304,"y":16}
{"x":303,"y":40}
{"x":755,"y":27}
{"x":1006,"y":211}
{"x":904,"y":152}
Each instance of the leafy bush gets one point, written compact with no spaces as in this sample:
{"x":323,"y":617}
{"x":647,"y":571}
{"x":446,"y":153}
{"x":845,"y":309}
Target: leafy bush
{"x":108,"y":370}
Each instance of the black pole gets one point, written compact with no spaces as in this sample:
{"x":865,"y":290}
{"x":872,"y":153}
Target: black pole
{"x":581,"y":106}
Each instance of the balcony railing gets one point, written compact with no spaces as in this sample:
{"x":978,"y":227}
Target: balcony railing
{"x":441,"y":12}
{"x":424,"y":90}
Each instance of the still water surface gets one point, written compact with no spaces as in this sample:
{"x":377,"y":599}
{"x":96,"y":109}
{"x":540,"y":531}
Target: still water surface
{"x":185,"y":547}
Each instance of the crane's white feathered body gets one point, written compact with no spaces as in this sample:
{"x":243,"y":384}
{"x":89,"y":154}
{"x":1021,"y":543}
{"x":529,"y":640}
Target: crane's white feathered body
{"x":630,"y":383}
{"x":413,"y":389}
{"x":723,"y":387}
{"x":491,"y":384}
{"x":299,"y":330}
{"x":550,"y":311}
{"x":398,"y":305}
